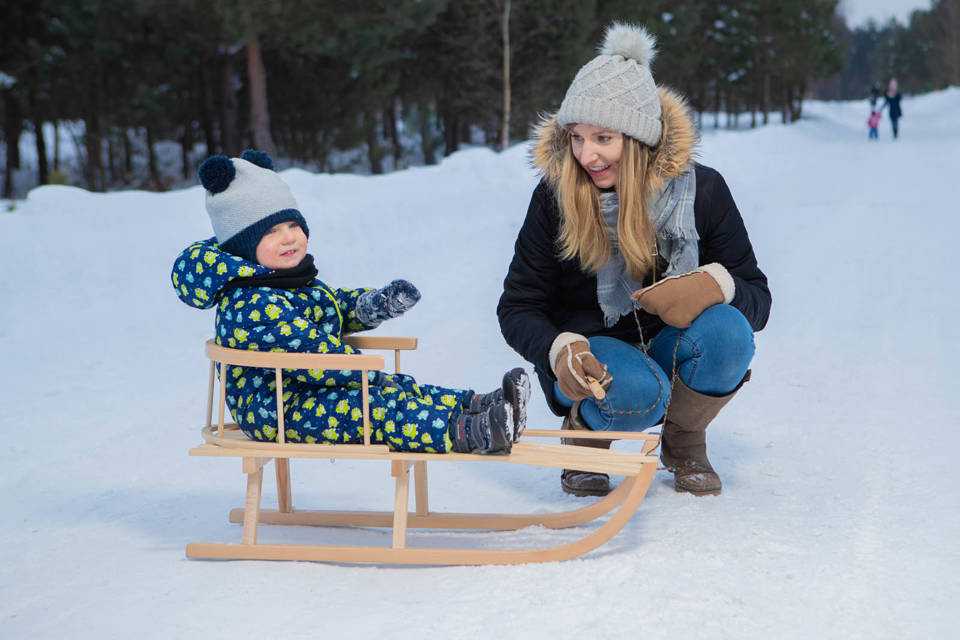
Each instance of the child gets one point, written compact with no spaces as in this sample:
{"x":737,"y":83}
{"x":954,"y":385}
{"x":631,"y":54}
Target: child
{"x":258,"y":274}
{"x":873,"y":122}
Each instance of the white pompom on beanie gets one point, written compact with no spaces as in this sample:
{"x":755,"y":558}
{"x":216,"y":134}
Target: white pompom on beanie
{"x":616,"y":90}
{"x":245,"y":199}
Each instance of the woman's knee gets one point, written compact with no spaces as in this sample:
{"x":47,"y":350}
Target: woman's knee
{"x":638,"y":394}
{"x":723,"y":328}
{"x":718,"y":345}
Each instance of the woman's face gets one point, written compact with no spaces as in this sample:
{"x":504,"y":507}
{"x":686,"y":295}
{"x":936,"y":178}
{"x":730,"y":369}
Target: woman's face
{"x":598,"y":151}
{"x":283,"y":246}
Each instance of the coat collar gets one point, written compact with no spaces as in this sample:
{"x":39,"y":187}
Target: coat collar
{"x":671,"y":156}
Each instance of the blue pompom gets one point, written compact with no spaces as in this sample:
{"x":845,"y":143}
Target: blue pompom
{"x":259,"y":158}
{"x":216,"y":173}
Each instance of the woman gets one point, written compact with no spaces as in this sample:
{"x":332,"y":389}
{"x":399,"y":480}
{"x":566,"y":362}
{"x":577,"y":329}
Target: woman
{"x":892,"y":102}
{"x":633,"y":267}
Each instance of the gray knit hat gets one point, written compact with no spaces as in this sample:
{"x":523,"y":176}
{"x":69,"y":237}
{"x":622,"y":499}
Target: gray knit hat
{"x":245,"y":199}
{"x":615,"y":90}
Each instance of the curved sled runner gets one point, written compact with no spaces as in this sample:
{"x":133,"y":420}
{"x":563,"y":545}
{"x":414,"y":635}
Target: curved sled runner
{"x":226,"y":440}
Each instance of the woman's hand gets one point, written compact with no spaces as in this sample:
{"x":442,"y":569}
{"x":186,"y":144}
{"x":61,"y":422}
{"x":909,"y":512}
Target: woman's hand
{"x":574,"y":365}
{"x":679,"y":300}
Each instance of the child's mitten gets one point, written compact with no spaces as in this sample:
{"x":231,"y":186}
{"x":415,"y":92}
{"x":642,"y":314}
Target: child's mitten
{"x":373,"y":307}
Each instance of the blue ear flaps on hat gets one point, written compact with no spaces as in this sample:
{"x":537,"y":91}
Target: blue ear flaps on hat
{"x":216,"y":173}
{"x":259,"y":158}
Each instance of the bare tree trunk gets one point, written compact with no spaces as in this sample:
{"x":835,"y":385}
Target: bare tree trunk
{"x":43,"y":172}
{"x":374,"y":152}
{"x":56,"y":145}
{"x":259,"y":110}
{"x":111,"y":159}
{"x":796,"y":106}
{"x":12,"y":125}
{"x":505,"y":33}
{"x":391,"y":133}
{"x":186,"y":145}
{"x":426,"y":134}
{"x":127,"y":154}
{"x":716,"y":107}
{"x":451,"y":133}
{"x":93,"y":169}
{"x":206,"y":109}
{"x":229,"y":138}
{"x":766,"y":98}
{"x":152,"y":162}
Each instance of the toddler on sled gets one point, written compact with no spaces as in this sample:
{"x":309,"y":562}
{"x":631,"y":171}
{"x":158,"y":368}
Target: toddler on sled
{"x":257,"y":273}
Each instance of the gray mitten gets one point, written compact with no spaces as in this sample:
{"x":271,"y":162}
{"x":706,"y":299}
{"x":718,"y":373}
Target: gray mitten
{"x":373,"y":307}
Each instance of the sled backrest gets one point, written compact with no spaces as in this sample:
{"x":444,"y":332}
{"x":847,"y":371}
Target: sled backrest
{"x":225,"y":358}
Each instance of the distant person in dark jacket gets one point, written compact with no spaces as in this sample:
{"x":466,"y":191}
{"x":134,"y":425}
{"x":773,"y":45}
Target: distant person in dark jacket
{"x":875,"y":94}
{"x":892,"y":103}
{"x":632,"y":268}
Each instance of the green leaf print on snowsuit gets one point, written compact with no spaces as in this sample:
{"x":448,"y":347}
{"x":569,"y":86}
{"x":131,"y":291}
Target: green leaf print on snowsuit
{"x":320,"y":406}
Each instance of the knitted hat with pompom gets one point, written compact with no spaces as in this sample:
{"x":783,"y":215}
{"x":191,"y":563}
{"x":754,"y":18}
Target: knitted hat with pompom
{"x":245,"y":199}
{"x":615,"y":90}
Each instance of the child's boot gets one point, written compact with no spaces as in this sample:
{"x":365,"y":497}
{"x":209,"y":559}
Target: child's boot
{"x":491,"y":431}
{"x":514,"y":391}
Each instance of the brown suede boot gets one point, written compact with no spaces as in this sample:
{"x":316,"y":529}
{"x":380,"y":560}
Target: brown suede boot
{"x":582,"y":483}
{"x":683,"y":442}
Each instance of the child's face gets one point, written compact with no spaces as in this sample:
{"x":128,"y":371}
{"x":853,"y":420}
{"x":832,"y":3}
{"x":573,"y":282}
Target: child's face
{"x":283,"y":246}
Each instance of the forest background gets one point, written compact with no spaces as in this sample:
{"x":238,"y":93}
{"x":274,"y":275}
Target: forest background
{"x":119,"y":94}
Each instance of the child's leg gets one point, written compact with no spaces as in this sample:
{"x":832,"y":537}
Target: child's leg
{"x":416,"y":417}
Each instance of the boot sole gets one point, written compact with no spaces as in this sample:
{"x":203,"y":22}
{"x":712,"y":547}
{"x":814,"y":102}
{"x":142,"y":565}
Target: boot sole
{"x":585,"y":494}
{"x":697,"y":493}
{"x":516,"y":391}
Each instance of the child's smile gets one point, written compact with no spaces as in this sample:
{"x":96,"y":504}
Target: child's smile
{"x":283,"y":246}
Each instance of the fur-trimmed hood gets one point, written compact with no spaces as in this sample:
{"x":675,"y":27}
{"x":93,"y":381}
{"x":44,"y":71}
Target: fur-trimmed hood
{"x":670,"y":158}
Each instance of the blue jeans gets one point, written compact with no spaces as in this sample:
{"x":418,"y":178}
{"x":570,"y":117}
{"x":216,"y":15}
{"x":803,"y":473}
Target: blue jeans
{"x":711,"y":356}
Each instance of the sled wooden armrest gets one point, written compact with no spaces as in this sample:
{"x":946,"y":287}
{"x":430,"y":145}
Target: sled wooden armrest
{"x":281,"y":360}
{"x":397,"y":344}
{"x":382,"y":342}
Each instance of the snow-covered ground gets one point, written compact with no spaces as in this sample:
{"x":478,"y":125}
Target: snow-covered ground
{"x":840,"y":516}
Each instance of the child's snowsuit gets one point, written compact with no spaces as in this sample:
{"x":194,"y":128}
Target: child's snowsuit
{"x":321,"y":406}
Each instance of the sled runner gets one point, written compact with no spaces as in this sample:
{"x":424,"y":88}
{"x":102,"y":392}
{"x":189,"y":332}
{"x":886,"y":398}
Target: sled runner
{"x":226,"y":440}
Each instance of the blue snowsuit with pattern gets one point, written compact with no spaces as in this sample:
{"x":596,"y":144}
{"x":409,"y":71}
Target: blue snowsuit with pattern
{"x":320,"y":406}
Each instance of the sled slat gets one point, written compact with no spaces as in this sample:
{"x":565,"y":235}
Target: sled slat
{"x":552,"y":456}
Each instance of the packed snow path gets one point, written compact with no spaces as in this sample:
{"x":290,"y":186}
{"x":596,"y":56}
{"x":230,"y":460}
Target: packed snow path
{"x":840,"y":515}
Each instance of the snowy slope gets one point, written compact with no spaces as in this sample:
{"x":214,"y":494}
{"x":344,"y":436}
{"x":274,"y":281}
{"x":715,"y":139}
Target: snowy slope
{"x":840,"y":515}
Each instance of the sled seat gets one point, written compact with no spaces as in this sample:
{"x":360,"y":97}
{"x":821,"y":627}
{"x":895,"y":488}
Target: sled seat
{"x":227,"y":440}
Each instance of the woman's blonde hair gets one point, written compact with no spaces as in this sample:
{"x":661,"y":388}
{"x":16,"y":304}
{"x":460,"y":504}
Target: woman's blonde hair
{"x":582,"y":231}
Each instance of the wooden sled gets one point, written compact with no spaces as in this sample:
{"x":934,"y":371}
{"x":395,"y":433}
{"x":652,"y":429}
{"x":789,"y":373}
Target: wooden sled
{"x":226,"y":440}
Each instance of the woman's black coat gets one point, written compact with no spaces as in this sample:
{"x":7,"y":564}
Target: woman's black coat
{"x":893,"y":107}
{"x":544,"y":295}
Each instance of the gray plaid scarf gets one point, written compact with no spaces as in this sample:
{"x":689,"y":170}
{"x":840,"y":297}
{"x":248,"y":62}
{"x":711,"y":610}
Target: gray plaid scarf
{"x":677,"y":240}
